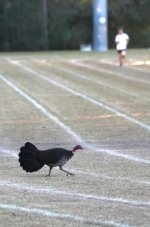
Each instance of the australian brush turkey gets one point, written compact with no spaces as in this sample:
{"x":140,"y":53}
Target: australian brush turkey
{"x":31,"y":159}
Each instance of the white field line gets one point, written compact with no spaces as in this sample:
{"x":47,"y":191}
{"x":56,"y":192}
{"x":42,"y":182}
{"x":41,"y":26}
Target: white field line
{"x":95,"y":81}
{"x":126,"y":66}
{"x":58,"y":58}
{"x":73,"y":194}
{"x":67,"y":128}
{"x":75,"y":62}
{"x":10,"y":153}
{"x":42,"y":109}
{"x":138,"y":69}
{"x":112,"y":178}
{"x":128,"y":93}
{"x":87,"y":98}
{"x":140,"y":182}
{"x":118,"y":154}
{"x":64,"y":216}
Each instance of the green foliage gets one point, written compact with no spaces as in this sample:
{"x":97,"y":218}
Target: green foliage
{"x":21,"y":27}
{"x":69,"y":23}
{"x":134,"y":17}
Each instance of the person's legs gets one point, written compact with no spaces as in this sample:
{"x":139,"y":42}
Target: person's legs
{"x":120,"y":59}
{"x":122,"y":55}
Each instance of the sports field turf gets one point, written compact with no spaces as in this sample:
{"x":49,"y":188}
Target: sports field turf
{"x":61,"y":99}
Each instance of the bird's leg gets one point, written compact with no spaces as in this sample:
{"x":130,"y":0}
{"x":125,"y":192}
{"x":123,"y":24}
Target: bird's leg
{"x":50,"y":168}
{"x":68,"y":173}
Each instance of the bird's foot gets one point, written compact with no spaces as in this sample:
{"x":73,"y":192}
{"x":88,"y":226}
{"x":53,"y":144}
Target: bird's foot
{"x":47,"y":175}
{"x":72,"y":174}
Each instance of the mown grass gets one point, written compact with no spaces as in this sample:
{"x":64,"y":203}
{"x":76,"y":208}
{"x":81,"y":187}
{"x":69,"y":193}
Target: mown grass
{"x":135,"y":54}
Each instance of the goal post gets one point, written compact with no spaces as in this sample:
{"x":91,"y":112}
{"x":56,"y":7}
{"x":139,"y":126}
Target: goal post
{"x":100,"y":22}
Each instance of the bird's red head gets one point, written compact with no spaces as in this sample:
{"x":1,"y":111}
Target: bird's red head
{"x":78,"y":147}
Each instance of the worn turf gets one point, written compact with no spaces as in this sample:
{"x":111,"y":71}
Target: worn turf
{"x":60,"y":99}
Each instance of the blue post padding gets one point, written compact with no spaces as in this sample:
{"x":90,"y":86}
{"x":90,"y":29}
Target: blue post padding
{"x":100,"y":40}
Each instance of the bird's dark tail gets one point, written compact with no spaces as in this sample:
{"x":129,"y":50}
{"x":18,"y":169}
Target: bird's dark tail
{"x":28,"y":158}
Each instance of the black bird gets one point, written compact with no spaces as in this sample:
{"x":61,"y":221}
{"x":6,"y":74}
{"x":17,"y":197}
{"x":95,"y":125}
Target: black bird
{"x":31,"y":159}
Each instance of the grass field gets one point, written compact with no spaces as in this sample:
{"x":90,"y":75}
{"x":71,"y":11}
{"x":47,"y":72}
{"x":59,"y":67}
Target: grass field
{"x":60,"y":99}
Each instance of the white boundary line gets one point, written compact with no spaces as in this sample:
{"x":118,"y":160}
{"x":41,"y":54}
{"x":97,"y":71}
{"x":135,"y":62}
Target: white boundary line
{"x":60,"y":68}
{"x":77,"y":195}
{"x":67,"y":128}
{"x":137,"y":69}
{"x":10,"y":153}
{"x":42,"y":109}
{"x":87,"y":98}
{"x":102,"y":83}
{"x":75,"y":62}
{"x":112,"y":178}
{"x":126,"y":66}
{"x":140,"y":182}
{"x":65,"y":216}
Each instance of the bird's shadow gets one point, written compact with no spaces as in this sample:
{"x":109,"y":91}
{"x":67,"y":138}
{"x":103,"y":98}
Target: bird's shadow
{"x":44,"y":176}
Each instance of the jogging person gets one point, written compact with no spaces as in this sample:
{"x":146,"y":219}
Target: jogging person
{"x":121,"y":41}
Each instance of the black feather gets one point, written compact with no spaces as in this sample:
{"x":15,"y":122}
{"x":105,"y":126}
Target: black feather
{"x":28,"y":158}
{"x":31,"y":159}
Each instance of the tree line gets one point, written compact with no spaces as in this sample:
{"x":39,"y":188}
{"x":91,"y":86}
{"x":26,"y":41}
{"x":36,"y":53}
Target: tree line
{"x":62,"y":25}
